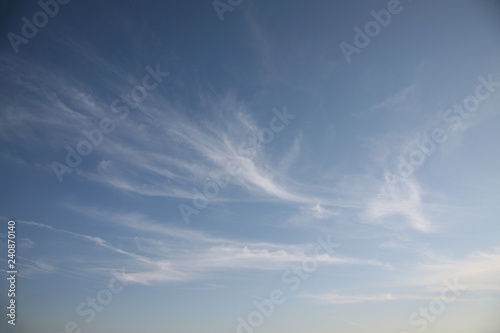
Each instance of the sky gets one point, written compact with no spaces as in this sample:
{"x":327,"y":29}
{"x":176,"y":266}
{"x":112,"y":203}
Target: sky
{"x":251,"y":166}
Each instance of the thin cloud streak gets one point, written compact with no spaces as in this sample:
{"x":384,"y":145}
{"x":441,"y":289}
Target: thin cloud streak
{"x":174,"y":263}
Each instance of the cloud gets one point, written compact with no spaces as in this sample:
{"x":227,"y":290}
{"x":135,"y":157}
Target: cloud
{"x":405,"y":243}
{"x":207,"y":261}
{"x":188,"y":255}
{"x":159,"y":150}
{"x":96,"y":240}
{"x":351,"y":322}
{"x":478,"y":271}
{"x":402,"y":199}
{"x":138,"y":162}
{"x":476,"y":274}
{"x":291,"y":156}
{"x":397,"y":100}
{"x":31,"y":268}
{"x":334,"y":298}
{"x":260,"y":39}
{"x":308,"y":215}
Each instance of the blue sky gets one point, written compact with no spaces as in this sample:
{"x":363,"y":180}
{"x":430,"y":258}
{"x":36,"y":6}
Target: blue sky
{"x":180,"y":163}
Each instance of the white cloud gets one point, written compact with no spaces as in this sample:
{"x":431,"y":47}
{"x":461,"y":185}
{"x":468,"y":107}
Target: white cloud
{"x":190,"y":255}
{"x":473,"y":277}
{"x":479,"y":271}
{"x":334,"y":298}
{"x":404,"y":200}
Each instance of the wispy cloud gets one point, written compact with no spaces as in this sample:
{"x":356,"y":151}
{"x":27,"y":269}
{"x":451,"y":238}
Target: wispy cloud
{"x":396,"y":101}
{"x":400,"y":101}
{"x":291,"y":156}
{"x":334,"y":298}
{"x":403,"y":200}
{"x":478,"y":271}
{"x":37,"y":267}
{"x":476,"y":274}
{"x":173,"y":260}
